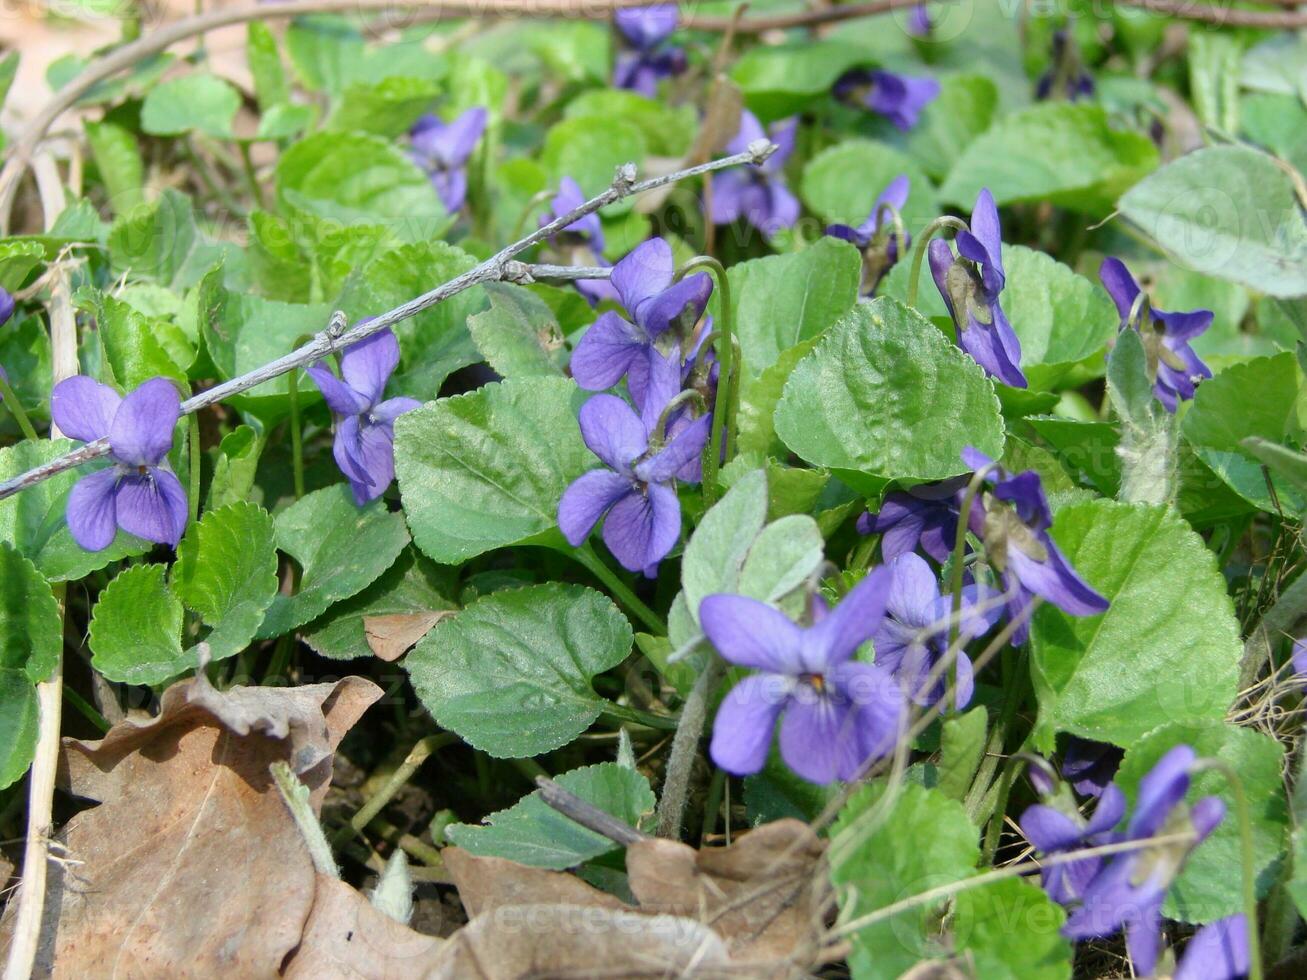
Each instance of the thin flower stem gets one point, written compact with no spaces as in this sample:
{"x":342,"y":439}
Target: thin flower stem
{"x":959,"y":553}
{"x":685,"y":747}
{"x":586,"y":556}
{"x":417,"y":755}
{"x":1246,"y":857}
{"x":296,"y":435}
{"x":634,"y":716}
{"x":722,"y":408}
{"x":193,"y":500}
{"x":919,"y":253}
{"x":16,"y":408}
{"x":247,"y":163}
{"x":86,"y":709}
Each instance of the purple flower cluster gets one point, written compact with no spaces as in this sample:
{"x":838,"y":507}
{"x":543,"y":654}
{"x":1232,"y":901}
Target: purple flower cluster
{"x":647,"y":449}
{"x":970,"y":284}
{"x":364,"y":447}
{"x":876,"y":237}
{"x":758,"y":195}
{"x":648,"y":59}
{"x":1126,"y":889}
{"x":1174,"y":365}
{"x":899,"y":98}
{"x":442,"y":149}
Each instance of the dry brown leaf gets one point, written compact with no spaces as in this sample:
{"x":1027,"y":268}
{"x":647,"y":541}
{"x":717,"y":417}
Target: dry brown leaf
{"x":346,"y":938}
{"x":763,"y":894}
{"x":391,"y":636}
{"x":488,"y":883}
{"x":192,"y":865}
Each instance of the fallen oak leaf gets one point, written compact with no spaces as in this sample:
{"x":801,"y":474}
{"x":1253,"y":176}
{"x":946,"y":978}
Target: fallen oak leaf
{"x":392,"y":635}
{"x":486,"y":884}
{"x":191,"y":864}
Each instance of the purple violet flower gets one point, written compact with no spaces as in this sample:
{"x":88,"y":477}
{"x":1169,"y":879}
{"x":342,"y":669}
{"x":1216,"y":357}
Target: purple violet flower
{"x":1090,"y":766}
{"x":1217,"y":951}
{"x":7,"y":306}
{"x":914,"y":635}
{"x":645,"y":29}
{"x":638,"y":489}
{"x":663,"y":310}
{"x":1129,"y":889}
{"x":924,"y":516}
{"x":138,"y":493}
{"x":442,"y":149}
{"x":899,"y":98}
{"x":878,"y":260}
{"x":1056,"y":827}
{"x":1013,"y":519}
{"x":1173,"y":363}
{"x":919,"y":22}
{"x":970,"y":285}
{"x":838,"y":713}
{"x":759,"y":195}
{"x":365,"y":425}
{"x":1066,"y":77}
{"x":586,"y":235}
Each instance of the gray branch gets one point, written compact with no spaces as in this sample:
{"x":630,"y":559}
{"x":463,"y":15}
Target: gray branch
{"x":500,"y":267}
{"x":586,"y":814}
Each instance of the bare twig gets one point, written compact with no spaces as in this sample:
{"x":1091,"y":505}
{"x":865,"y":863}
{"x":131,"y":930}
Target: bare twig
{"x":499,"y":267}
{"x":587,"y":815}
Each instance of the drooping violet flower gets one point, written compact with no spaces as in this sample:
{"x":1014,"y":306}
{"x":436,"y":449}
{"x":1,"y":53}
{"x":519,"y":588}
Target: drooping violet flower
{"x":879,"y":252}
{"x":1172,"y":363}
{"x":1056,"y":827}
{"x":583,"y":239}
{"x":970,"y":284}
{"x":1217,"y":951}
{"x":1090,"y":766}
{"x":7,"y":306}
{"x":924,"y":516}
{"x":637,"y":491}
{"x":1298,"y":657}
{"x":837,"y":713}
{"x":662,"y":310}
{"x":1129,"y":889}
{"x":442,"y":149}
{"x":1066,"y":78}
{"x":759,"y":195}
{"x":1013,"y":518}
{"x":919,"y":22}
{"x":899,"y":98}
{"x":365,"y":424}
{"x":138,"y":493}
{"x":914,"y":635}
{"x":649,"y":61}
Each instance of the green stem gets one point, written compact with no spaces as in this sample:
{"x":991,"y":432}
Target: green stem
{"x":929,"y":232}
{"x":193,"y":501}
{"x":85,"y":709}
{"x":712,"y":805}
{"x":1247,"y":859}
{"x":417,"y":755}
{"x":723,"y":415}
{"x":634,"y":716}
{"x":296,"y":437}
{"x":247,"y":163}
{"x":685,"y":748}
{"x":586,"y":556}
{"x":16,"y":408}
{"x":955,"y":576}
{"x":280,"y":657}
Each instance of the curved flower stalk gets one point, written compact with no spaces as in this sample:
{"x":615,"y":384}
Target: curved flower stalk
{"x":637,"y":490}
{"x":649,"y":60}
{"x":899,"y":98}
{"x":925,"y":516}
{"x":364,"y":447}
{"x":759,"y":196}
{"x":836,"y":713}
{"x":1172,"y":363}
{"x":138,"y":493}
{"x":1013,"y":519}
{"x":970,"y":284}
{"x":914,"y":635}
{"x":880,"y":241}
{"x":442,"y":149}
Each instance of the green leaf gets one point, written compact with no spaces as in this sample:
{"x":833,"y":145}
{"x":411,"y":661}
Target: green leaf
{"x":668,"y":130}
{"x":226,"y":571}
{"x":389,"y":107}
{"x":589,"y":149}
{"x":1127,"y":381}
{"x":782,"y":300}
{"x":1210,"y":887}
{"x":962,"y":746}
{"x":519,"y":335}
{"x":200,"y":103}
{"x":1258,"y":398}
{"x":1010,"y":930}
{"x":26,"y":355}
{"x":1083,"y":163}
{"x":235,"y":463}
{"x":119,"y":161}
{"x":780,"y":79}
{"x":776,"y":793}
{"x":1168,"y":648}
{"x":31,"y":622}
{"x":886,"y":395}
{"x":18,"y":721}
{"x":341,"y":549}
{"x":270,"y":85}
{"x":17,"y":259}
{"x":783,"y":555}
{"x":716,"y":551}
{"x":1214,"y":80}
{"x":136,"y":625}
{"x":532,"y":833}
{"x":284,"y":121}
{"x":1282,"y":460}
{"x":1228,"y":211}
{"x":411,"y":586}
{"x":923,"y":840}
{"x":965,"y":108}
{"x":828,"y":191}
{"x":486,"y":470}
{"x":33,"y":521}
{"x":162,"y":242}
{"x":759,"y":397}
{"x":137,"y":348}
{"x":511,"y":672}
